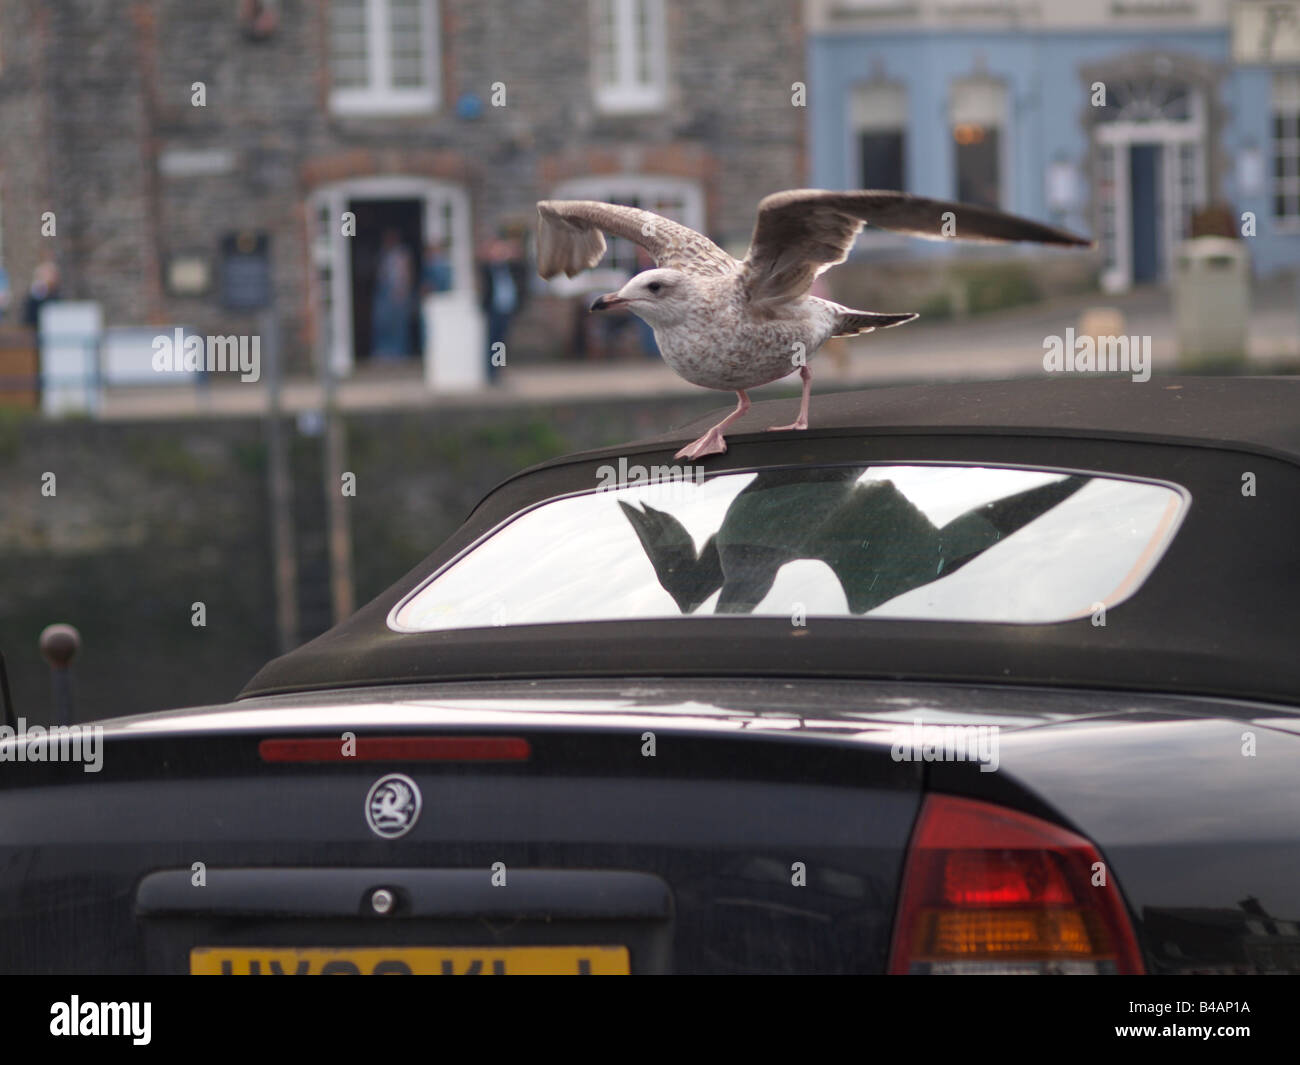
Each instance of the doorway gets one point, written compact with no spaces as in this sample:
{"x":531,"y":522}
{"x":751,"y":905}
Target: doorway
{"x":425,"y":213}
{"x":376,"y":220}
{"x":1150,"y":147}
{"x":1145,"y":205}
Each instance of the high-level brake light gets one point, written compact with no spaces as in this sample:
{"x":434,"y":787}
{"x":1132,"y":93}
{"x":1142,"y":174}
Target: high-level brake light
{"x":397,"y":749}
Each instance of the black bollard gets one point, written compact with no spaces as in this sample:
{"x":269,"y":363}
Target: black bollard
{"x":7,"y":715}
{"x":58,"y":644}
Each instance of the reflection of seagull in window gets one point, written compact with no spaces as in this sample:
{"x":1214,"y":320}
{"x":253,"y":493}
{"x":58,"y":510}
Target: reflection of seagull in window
{"x":875,"y":540}
{"x":733,"y":325}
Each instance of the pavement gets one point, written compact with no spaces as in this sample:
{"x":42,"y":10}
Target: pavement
{"x":1000,"y":346}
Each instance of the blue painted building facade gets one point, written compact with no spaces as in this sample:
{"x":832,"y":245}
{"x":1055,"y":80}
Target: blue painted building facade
{"x":1178,"y":124}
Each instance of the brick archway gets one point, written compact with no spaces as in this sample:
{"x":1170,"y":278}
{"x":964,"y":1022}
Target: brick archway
{"x":442,"y":164}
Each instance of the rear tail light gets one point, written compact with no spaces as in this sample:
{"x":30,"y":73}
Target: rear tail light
{"x":992,"y":890}
{"x":397,"y":749}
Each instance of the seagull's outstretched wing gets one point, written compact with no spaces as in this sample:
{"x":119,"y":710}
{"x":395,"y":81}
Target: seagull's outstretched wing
{"x":802,"y":232}
{"x":569,"y":238}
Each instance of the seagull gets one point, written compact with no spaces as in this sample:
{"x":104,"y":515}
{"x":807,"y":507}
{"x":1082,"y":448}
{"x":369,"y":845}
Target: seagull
{"x":734,"y":324}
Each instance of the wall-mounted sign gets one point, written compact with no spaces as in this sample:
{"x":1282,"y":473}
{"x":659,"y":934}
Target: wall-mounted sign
{"x":245,"y":271}
{"x":1250,"y":172}
{"x":195,"y":162}
{"x":1266,"y":31}
{"x":1062,"y":186}
{"x":189,"y":274}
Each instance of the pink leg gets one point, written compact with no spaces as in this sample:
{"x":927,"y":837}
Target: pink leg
{"x":711,"y":443}
{"x":800,"y":422}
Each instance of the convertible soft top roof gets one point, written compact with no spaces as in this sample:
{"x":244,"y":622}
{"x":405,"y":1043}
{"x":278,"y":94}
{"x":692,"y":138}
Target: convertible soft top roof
{"x":1260,"y":414}
{"x":1218,"y":615}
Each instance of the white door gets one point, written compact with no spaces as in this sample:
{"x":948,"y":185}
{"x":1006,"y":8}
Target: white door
{"x":445,"y":218}
{"x":1178,"y":129}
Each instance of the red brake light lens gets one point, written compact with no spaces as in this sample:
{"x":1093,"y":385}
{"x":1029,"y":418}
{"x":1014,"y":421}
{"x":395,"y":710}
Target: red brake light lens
{"x":992,"y":890}
{"x":398,"y":749}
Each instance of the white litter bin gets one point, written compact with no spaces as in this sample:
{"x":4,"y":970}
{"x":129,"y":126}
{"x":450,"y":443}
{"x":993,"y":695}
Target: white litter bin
{"x":455,"y":356}
{"x":1211,"y":301}
{"x":70,"y":332}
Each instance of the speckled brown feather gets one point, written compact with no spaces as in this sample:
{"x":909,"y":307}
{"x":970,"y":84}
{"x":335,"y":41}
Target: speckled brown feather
{"x":801,"y":233}
{"x":569,"y":238}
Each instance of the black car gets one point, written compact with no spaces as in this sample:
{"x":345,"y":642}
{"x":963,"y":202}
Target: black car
{"x":980,"y":678}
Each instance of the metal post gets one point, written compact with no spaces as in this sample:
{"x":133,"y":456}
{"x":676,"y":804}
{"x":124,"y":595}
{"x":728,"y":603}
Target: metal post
{"x":58,"y":644}
{"x":336,"y":507}
{"x":280,"y":489}
{"x":7,"y":714}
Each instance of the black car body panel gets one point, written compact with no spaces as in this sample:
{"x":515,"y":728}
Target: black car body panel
{"x":746,"y":781}
{"x":719,"y":814}
{"x":1197,"y":816}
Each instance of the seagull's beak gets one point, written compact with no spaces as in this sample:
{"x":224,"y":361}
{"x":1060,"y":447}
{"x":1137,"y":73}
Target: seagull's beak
{"x":608,"y":301}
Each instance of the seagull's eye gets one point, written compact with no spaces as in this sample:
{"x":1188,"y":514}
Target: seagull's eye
{"x":655,"y":286}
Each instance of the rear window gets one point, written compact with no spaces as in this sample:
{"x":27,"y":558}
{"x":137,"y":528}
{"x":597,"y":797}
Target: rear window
{"x":928,"y":542}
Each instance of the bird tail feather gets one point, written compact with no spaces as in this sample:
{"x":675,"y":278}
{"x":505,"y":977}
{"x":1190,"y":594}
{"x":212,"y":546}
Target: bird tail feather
{"x":850,"y":323}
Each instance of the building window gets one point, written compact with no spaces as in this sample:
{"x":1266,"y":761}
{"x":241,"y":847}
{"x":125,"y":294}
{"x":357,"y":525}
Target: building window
{"x":674,"y":198}
{"x":1147,"y":99}
{"x":879,"y":120}
{"x":629,"y":55}
{"x":1286,"y":147}
{"x":977,"y":116}
{"x":384,"y":56}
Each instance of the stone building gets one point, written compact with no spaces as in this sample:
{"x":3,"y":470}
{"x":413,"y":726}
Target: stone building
{"x":1120,"y":118}
{"x":171,"y":137}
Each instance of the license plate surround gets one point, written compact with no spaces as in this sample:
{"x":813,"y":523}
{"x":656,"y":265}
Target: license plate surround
{"x":594,"y":960}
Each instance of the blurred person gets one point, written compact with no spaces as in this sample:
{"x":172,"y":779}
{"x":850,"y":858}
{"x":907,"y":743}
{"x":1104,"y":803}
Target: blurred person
{"x":5,"y":293}
{"x":592,"y":333}
{"x":435,"y":271}
{"x":503,"y":283}
{"x":598,"y":336}
{"x":44,"y":288}
{"x":392,"y":303}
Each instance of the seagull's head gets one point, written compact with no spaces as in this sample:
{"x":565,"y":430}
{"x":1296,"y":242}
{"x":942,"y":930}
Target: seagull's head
{"x":661,"y":297}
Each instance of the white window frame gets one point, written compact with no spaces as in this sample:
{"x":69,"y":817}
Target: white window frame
{"x":379,"y":96}
{"x":1001,"y":122}
{"x":890,"y":123}
{"x":628,"y":94}
{"x":872,"y":239}
{"x":1285,"y":100}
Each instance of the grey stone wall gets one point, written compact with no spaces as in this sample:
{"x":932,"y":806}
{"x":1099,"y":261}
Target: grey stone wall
{"x":93,"y":92}
{"x":150,"y":518}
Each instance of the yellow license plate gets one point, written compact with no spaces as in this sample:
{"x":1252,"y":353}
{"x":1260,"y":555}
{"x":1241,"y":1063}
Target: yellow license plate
{"x":417,"y":961}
